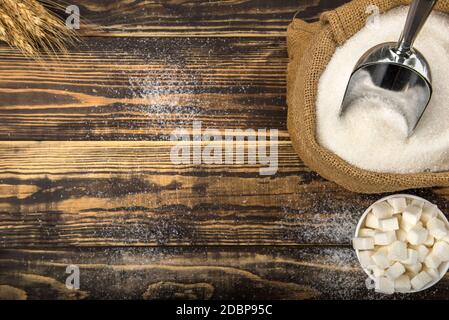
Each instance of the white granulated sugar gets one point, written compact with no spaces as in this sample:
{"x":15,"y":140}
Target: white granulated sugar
{"x":371,"y":136}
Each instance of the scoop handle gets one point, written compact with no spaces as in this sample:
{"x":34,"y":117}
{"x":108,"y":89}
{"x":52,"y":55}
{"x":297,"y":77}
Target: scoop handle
{"x":417,"y":16}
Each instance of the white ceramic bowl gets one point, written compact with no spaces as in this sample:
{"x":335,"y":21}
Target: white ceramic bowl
{"x":445,"y":266}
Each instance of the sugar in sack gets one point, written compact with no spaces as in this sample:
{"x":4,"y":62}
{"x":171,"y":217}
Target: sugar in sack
{"x":371,"y":136}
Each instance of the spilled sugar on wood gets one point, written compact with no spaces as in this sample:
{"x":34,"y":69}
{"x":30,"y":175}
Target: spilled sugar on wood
{"x":118,"y":193}
{"x":84,"y":164}
{"x":129,"y":193}
{"x":192,"y":273}
{"x":130,"y":91}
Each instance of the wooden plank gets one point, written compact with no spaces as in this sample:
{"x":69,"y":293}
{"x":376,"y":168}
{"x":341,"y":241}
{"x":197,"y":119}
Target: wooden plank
{"x":141,"y":89}
{"x":174,"y":18}
{"x":130,"y":193}
{"x":116,"y":193}
{"x":193,"y":273}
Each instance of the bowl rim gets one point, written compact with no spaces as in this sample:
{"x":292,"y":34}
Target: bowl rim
{"x":410,"y":196}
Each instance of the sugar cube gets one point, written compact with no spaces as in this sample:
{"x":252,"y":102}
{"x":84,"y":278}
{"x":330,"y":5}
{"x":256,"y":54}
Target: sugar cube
{"x":380,"y":258}
{"x":403,"y":244}
{"x":398,"y":204}
{"x":397,"y":251}
{"x":383,"y":249}
{"x":417,"y":203}
{"x":429,"y":241}
{"x":390,"y":224}
{"x":382,"y":210}
{"x":365,"y":258}
{"x":371,"y":221}
{"x":417,"y":235}
{"x":384,"y":285}
{"x":429,"y":211}
{"x":412,"y":215}
{"x":437,"y":228}
{"x":376,"y":271}
{"x":401,"y":235}
{"x":395,"y":271}
{"x":423,"y":251}
{"x":384,"y":238}
{"x":432,"y":261}
{"x":402,"y":284}
{"x":434,"y":273}
{"x":363,"y":243}
{"x":442,"y":268}
{"x":441,"y":250}
{"x":446,"y":239}
{"x":406,"y":226}
{"x":412,"y":257}
{"x":421,"y":280}
{"x":367,"y":233}
{"x":414,"y":268}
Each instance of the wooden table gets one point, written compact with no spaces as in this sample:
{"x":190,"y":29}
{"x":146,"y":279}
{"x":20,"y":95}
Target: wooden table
{"x":86,"y":177}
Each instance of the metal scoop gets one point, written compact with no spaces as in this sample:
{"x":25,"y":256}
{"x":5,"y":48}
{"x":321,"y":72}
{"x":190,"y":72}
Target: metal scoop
{"x":396,"y":73}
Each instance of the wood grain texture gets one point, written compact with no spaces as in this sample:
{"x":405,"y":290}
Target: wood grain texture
{"x":129,"y":193}
{"x":193,"y":273}
{"x":192,"y":18}
{"x":117,"y":193}
{"x":142,"y":89}
{"x":86,"y":177}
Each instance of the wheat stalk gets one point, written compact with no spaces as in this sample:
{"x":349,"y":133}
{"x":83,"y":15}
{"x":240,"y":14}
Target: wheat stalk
{"x":30,"y":27}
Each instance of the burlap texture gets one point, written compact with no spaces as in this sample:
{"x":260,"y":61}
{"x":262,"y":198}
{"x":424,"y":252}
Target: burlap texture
{"x":310,"y":48}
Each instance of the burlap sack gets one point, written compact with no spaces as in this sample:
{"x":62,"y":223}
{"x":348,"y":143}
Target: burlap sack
{"x":310,"y":48}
